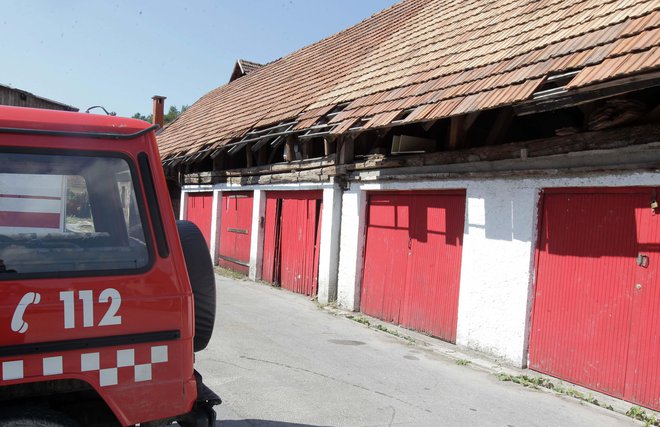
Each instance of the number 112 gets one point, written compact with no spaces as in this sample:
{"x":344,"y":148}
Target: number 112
{"x":87,"y":298}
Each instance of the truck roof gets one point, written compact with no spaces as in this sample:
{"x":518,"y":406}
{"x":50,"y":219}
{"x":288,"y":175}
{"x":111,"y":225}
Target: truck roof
{"x":33,"y":120}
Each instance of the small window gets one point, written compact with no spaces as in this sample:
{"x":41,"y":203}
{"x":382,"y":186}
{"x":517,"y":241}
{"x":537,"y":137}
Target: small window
{"x":66,"y":214}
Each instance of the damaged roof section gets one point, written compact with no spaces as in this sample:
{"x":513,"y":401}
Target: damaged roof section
{"x":423,"y":60}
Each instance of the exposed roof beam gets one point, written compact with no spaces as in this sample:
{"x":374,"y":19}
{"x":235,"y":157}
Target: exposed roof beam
{"x":587,"y":94}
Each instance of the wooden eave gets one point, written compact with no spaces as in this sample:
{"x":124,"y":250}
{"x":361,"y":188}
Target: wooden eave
{"x":624,"y":148}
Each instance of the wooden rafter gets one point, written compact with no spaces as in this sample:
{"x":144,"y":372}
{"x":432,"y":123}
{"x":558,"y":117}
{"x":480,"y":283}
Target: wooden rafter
{"x":346,"y":149}
{"x":500,"y":126}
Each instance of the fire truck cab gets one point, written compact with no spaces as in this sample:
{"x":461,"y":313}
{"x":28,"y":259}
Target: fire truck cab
{"x":104,"y":297}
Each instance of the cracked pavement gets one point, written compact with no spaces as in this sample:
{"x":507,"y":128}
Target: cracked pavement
{"x":278,"y":360}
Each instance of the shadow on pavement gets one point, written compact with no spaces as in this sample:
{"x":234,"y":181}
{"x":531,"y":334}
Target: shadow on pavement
{"x":259,"y":423}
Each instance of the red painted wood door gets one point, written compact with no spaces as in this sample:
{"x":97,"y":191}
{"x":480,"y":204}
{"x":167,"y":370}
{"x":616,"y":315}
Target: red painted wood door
{"x":199,"y":211}
{"x":292,"y":234}
{"x":235,"y":231}
{"x":413,"y":260}
{"x":596,"y":318}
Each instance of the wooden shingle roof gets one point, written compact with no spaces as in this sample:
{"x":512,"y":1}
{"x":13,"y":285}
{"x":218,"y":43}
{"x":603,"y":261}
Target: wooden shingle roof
{"x":432,"y":59}
{"x":242,"y":68}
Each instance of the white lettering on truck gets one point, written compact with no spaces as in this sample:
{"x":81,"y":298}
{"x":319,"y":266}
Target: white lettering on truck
{"x":87,"y":297}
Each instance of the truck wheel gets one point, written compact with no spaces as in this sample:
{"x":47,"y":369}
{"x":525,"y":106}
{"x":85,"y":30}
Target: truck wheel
{"x":34,"y":417}
{"x":202,"y":280}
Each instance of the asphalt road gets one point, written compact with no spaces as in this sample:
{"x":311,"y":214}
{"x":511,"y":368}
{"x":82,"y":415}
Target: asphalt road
{"x":278,"y":360}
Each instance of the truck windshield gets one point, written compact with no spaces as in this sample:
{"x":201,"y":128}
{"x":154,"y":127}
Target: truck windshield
{"x":69,"y":214}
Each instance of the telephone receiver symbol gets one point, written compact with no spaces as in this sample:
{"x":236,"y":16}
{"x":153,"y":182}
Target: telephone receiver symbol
{"x":17,"y":322}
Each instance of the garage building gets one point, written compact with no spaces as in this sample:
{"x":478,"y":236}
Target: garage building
{"x":486,"y":175}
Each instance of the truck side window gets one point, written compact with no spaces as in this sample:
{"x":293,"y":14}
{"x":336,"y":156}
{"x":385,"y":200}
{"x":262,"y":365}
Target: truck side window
{"x":64,"y":214}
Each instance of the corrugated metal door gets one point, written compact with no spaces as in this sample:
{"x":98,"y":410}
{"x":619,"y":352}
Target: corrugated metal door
{"x":595,"y":314}
{"x":199,"y":211}
{"x":643,"y":376}
{"x":435,"y":265}
{"x":292,"y":228}
{"x":235,"y":231}
{"x":271,"y":239}
{"x":413,"y":260}
{"x":386,"y":256}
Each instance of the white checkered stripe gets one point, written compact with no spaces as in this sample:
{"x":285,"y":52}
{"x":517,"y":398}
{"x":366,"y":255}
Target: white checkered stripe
{"x":91,"y":362}
{"x":12,"y":370}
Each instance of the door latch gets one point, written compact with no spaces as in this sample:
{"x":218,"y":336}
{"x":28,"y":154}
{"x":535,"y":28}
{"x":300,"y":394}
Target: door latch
{"x":642,"y":260}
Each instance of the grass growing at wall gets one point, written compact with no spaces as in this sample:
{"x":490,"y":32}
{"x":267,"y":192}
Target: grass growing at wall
{"x":229,"y":273}
{"x":321,"y":306}
{"x":539,"y":382}
{"x":640,"y":414}
{"x":360,"y":319}
{"x":394,"y":332}
{"x":379,"y":327}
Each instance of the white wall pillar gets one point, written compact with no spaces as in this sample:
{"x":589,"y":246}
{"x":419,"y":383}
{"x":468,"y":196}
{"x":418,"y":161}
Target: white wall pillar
{"x":257,"y":234}
{"x":329,"y":250}
{"x":352,"y":237}
{"x":497,"y":269}
{"x":183,"y":206}
{"x":216,"y":221}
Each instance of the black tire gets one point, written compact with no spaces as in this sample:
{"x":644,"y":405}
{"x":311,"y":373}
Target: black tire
{"x":34,"y":417}
{"x":202,"y":280}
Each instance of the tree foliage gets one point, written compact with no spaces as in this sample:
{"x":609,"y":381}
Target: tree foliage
{"x":169,"y":117}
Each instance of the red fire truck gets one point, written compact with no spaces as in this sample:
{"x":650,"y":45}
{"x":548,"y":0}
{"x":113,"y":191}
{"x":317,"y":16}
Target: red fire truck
{"x":104,"y":297}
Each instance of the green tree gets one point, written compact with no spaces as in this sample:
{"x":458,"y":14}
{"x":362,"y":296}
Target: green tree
{"x":173,"y":113}
{"x":142,"y":117}
{"x":169,"y":117}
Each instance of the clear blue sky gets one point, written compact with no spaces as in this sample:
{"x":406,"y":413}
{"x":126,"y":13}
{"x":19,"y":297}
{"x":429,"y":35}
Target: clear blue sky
{"x":120,"y":53}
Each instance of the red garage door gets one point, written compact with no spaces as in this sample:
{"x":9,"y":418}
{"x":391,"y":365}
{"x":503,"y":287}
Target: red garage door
{"x":596,"y":315}
{"x":413,"y":260}
{"x":291,"y":240}
{"x":235,"y":231}
{"x":199,"y":210}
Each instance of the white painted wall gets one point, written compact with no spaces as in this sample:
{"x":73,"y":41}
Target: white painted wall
{"x":351,"y":261}
{"x":497,"y":274}
{"x":257,"y":234}
{"x":329,"y":250}
{"x":183,"y":206}
{"x":214,"y":244}
{"x":497,"y":271}
{"x":216,"y":220}
{"x":330,"y":223}
{"x":272,"y":187}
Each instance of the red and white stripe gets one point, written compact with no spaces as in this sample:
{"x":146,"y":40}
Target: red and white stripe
{"x":31,"y":203}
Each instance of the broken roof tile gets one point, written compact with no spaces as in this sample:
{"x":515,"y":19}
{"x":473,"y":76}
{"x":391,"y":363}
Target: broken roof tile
{"x":617,"y":67}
